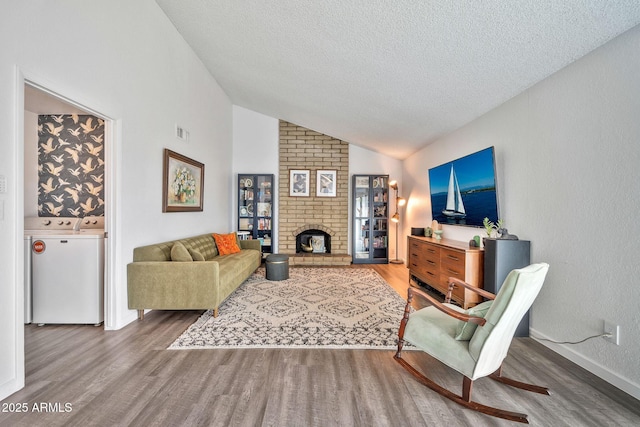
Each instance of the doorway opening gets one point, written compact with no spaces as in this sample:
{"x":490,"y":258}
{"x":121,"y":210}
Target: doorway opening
{"x":65,"y":131}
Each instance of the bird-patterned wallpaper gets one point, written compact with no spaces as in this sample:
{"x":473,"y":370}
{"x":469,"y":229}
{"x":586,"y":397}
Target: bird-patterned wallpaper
{"x":70,"y":165}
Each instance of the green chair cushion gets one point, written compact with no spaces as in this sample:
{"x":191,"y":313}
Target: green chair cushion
{"x":432,"y":331}
{"x":465,"y":330}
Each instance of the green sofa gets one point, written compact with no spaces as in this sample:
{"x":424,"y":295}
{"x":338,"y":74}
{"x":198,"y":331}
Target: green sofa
{"x":155,"y":281}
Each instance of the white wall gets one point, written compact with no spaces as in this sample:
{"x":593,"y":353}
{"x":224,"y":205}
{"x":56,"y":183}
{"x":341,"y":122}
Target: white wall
{"x":567,"y":159}
{"x":255,"y":150}
{"x":366,"y":162}
{"x":145,"y":78}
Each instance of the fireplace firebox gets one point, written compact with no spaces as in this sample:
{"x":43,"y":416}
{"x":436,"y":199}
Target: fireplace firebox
{"x":313,"y":241}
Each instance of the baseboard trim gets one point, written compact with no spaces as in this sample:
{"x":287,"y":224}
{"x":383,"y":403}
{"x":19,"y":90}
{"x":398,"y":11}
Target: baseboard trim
{"x":603,"y":372}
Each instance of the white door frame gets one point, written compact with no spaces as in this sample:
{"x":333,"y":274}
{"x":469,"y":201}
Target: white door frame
{"x":111,"y":124}
{"x":111,"y":143}
{"x":112,"y":139}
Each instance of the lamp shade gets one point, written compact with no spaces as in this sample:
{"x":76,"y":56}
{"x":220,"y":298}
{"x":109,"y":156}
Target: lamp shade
{"x":401,"y":201}
{"x":395,"y":217}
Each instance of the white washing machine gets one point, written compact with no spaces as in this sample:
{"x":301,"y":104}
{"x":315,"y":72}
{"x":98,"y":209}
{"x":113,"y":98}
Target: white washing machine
{"x":66,"y":256}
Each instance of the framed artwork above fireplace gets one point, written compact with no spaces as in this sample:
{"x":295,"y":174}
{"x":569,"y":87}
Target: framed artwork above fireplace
{"x":326,"y":183}
{"x":298,"y":183}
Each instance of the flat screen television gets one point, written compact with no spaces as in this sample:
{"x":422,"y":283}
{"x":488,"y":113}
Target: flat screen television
{"x":464,"y":191}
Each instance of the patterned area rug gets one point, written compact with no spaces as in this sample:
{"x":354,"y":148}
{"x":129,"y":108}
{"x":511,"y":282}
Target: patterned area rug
{"x":315,"y":308}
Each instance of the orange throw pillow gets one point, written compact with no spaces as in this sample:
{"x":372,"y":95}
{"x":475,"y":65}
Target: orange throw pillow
{"x":227,"y":243}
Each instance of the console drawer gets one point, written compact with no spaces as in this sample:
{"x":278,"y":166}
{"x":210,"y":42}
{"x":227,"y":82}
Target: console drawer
{"x":423,"y":249}
{"x":451,"y":257}
{"x":434,"y":261}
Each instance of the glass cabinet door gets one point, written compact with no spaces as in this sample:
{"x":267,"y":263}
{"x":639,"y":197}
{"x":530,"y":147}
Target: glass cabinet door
{"x":362,"y":226}
{"x":263,"y":210}
{"x":255,"y":208}
{"x":370,"y":216}
{"x":245,"y":203}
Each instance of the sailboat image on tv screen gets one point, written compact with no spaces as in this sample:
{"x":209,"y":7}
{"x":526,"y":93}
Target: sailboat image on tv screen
{"x":454,"y":207}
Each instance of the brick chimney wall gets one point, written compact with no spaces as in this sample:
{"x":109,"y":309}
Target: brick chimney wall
{"x":304,"y":149}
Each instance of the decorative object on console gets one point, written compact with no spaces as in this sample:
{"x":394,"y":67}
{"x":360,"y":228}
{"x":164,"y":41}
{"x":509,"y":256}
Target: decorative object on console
{"x":437,"y":229}
{"x":428,"y":232}
{"x":498,"y":227}
{"x":503,"y":233}
{"x":400,"y":201}
{"x":417,"y":231}
{"x":488,"y":226}
{"x":182,"y":183}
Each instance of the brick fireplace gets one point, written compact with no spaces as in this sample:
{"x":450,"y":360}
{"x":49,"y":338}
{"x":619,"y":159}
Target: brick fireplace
{"x":304,"y":149}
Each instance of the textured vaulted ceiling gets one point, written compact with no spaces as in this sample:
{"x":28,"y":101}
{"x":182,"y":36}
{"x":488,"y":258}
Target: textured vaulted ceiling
{"x":390,"y":75}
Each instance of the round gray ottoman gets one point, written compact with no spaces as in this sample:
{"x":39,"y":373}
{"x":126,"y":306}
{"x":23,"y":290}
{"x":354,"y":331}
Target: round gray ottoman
{"x":277,"y":266}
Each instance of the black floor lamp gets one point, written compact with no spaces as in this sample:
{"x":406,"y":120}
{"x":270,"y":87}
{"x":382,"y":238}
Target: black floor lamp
{"x":400,"y":201}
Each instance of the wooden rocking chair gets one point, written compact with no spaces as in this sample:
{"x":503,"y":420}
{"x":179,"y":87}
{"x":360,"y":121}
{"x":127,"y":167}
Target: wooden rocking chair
{"x":472,"y":342}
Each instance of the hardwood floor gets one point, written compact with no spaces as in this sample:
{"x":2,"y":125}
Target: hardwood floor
{"x":85,"y":376}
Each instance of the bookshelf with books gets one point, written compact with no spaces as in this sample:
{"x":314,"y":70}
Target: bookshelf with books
{"x":255,"y":208}
{"x":370,"y":219}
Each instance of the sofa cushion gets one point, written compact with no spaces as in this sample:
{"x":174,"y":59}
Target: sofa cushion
{"x":227,"y":243}
{"x":180,"y":253}
{"x":204,"y":244}
{"x":197,"y":256}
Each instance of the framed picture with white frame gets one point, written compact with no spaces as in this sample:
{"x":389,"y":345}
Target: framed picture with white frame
{"x":299,"y":183}
{"x":326,"y":183}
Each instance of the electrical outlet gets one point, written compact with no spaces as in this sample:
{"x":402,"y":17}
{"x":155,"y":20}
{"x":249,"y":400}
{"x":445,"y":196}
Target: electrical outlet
{"x":614,"y":331}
